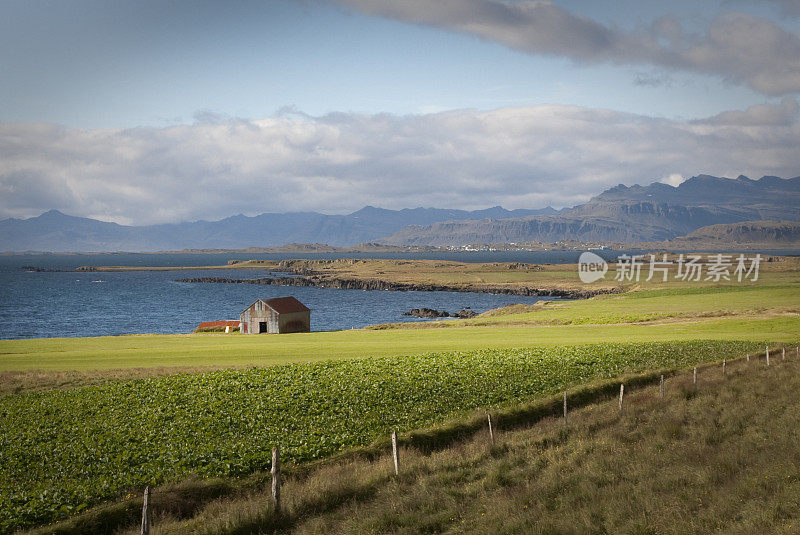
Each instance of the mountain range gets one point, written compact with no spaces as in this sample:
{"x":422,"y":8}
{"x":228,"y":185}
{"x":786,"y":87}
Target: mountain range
{"x":624,"y":214}
{"x":55,"y":231}
{"x":621,"y":214}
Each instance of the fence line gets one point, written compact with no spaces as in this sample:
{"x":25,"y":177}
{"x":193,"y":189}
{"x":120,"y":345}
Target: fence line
{"x":146,"y":512}
{"x":275,"y":471}
{"x":395,"y":454}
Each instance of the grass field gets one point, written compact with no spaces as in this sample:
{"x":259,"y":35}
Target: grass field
{"x":58,"y":394}
{"x":717,"y":457}
{"x":66,"y":449}
{"x":647,"y":311}
{"x":722,"y":460}
{"x":243,"y":350}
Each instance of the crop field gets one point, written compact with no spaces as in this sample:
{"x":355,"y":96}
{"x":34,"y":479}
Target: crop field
{"x":65,"y":450}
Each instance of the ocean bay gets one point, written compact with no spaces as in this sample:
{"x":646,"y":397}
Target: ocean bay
{"x":67,"y":303}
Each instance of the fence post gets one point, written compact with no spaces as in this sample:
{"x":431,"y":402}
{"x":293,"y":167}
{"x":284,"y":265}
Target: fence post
{"x":748,"y":357}
{"x":767,"y":355}
{"x":395,"y":455}
{"x":723,"y":366}
{"x":621,"y":393}
{"x":694,"y":376}
{"x":661,"y":387}
{"x":146,"y":512}
{"x":491,"y":431}
{"x":276,"y":480}
{"x":783,"y":353}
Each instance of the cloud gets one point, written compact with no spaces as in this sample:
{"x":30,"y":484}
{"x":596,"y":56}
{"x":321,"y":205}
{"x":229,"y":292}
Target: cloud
{"x":789,"y":7}
{"x":673,"y":180}
{"x":517,"y":157}
{"x":783,"y":114}
{"x":738,"y":47}
{"x":652,"y":80}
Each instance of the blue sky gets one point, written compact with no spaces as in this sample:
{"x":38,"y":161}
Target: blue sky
{"x":124,"y":64}
{"x":104,"y":106}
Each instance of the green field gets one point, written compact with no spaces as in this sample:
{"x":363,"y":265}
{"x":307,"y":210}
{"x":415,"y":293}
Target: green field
{"x":86,"y":419}
{"x":719,"y":458}
{"x":244,"y":350}
{"x":65,"y":450}
{"x":727,"y":313}
{"x":647,"y":311}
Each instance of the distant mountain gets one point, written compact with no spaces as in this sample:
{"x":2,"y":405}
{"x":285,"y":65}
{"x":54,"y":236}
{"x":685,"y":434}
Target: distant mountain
{"x":629,"y":214}
{"x":653,"y":213}
{"x":766,"y":234}
{"x":55,"y":231}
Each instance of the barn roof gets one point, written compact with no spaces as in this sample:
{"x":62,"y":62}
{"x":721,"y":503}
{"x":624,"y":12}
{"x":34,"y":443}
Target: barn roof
{"x":282,"y":305}
{"x":285,"y":305}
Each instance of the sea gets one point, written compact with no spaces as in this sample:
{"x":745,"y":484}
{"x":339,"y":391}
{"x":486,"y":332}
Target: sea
{"x":68,"y":303}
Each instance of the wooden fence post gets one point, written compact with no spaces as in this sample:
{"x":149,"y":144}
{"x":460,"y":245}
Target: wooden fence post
{"x":491,"y":431}
{"x":621,"y":393}
{"x":146,"y":512}
{"x":276,"y":480}
{"x":565,"y":407}
{"x":395,"y":455}
{"x":661,"y":387}
{"x":767,"y":355}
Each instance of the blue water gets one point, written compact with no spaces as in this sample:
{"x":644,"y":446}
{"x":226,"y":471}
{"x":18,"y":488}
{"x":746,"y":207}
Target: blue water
{"x":66,"y":304}
{"x":55,"y":304}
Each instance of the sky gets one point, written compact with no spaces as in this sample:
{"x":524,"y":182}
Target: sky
{"x":143,"y":112}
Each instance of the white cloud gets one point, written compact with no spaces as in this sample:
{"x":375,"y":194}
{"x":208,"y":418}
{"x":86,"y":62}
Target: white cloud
{"x":784,"y":114}
{"x":673,"y":180}
{"x":517,"y":157}
{"x":738,"y":47}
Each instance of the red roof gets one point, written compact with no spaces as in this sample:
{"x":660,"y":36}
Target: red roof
{"x":286,"y":305}
{"x":223,"y":324}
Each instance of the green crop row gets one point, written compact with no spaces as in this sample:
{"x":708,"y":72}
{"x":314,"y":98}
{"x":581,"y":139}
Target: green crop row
{"x":65,"y":450}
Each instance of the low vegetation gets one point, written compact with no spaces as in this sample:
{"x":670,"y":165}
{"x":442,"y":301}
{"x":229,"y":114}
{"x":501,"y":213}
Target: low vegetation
{"x":719,"y":456}
{"x":94,"y":419}
{"x":64,"y":450}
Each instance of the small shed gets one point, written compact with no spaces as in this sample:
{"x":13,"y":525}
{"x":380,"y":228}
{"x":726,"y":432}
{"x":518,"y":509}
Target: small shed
{"x":277,"y":315}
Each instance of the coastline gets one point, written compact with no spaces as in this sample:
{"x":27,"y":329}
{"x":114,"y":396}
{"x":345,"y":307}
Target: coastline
{"x":377,"y":284}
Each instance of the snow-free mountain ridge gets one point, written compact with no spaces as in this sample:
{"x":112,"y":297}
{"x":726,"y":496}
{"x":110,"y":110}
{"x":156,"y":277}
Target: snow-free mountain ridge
{"x":626,"y":214}
{"x":629,"y":214}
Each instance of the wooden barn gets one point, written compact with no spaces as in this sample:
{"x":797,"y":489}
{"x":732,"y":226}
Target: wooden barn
{"x":278,"y":315}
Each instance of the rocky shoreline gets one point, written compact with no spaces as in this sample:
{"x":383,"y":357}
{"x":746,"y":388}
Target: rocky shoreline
{"x":433,"y":313}
{"x":376,"y":284}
